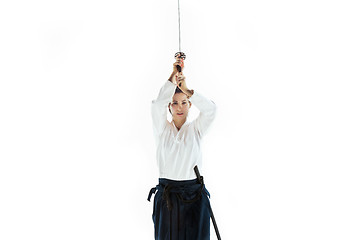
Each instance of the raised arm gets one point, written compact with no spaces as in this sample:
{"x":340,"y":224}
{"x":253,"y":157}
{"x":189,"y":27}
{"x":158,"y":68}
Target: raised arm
{"x":159,"y":107}
{"x":207,"y":114}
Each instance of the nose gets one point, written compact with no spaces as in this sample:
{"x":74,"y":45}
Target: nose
{"x":179,"y":108}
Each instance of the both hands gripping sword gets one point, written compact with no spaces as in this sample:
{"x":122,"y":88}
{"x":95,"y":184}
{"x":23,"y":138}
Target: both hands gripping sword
{"x":201,"y":181}
{"x":181,"y":56}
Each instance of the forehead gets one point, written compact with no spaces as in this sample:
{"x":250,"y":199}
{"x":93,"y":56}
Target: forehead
{"x":179,"y":97}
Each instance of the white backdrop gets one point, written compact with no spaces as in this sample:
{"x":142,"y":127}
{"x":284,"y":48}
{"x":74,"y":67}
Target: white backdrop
{"x":77,"y":155}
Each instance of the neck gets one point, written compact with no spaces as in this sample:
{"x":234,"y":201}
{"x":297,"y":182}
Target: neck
{"x":179,"y":123}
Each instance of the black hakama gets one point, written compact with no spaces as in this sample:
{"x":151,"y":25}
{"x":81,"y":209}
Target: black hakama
{"x":181,"y":210}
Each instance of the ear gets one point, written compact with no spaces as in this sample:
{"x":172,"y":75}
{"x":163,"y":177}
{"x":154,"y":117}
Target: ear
{"x":169,"y":108}
{"x":190,"y":104}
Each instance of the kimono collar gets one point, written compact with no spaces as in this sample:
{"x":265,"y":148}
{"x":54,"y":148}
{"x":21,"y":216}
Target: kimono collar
{"x":185,"y":123}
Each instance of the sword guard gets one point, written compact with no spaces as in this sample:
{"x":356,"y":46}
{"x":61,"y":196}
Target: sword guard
{"x":182,"y":56}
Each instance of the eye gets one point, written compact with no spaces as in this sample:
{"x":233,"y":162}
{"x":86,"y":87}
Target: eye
{"x":174,"y":103}
{"x":184,"y":103}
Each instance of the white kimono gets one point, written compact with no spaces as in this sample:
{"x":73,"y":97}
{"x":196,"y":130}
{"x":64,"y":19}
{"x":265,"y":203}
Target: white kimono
{"x":179,"y":151}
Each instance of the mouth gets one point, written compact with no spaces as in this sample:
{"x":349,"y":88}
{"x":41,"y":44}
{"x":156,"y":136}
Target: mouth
{"x":179,"y":114}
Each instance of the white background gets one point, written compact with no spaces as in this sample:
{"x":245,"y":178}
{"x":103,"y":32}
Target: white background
{"x":77,"y":154}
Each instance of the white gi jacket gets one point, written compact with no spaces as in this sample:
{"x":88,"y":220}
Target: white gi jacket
{"x":179,"y":151}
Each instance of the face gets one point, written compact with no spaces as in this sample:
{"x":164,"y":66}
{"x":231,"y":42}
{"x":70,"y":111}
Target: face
{"x":180,"y":106}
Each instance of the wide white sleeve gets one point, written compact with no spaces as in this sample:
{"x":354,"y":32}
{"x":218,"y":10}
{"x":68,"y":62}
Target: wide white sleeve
{"x":207,"y":113}
{"x":159,"y":107}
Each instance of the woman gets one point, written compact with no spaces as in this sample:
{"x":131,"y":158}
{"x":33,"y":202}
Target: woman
{"x":181,"y":204}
